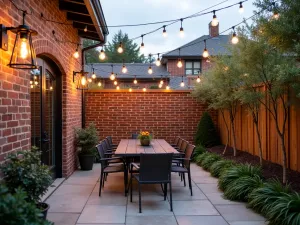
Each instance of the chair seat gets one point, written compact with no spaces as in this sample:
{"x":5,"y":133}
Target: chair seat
{"x":179,"y":169}
{"x":114,"y":168}
{"x":116,"y":161}
{"x":176,"y":161}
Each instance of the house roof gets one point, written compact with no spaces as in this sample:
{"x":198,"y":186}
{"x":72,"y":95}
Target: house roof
{"x":215,"y":46}
{"x":140,"y":70}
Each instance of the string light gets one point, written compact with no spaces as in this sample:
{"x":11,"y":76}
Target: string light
{"x":142,"y":48}
{"x":90,"y":80}
{"x":241,"y":8}
{"x":36,"y":83}
{"x":124,"y":68}
{"x":135,"y":80}
{"x":94,"y":75}
{"x":158,"y":63}
{"x":150,"y":71}
{"x":130,"y":89}
{"x":179,"y":63}
{"x":214,"y":21}
{"x":182,"y":83}
{"x":144,"y":89}
{"x":85,"y":29}
{"x":112,"y":75}
{"x":234,"y":38}
{"x":198,"y":79}
{"x":205,"y":53}
{"x":99,"y":84}
{"x":115,"y":82}
{"x":161,"y":81}
{"x":31,"y":82}
{"x":165,"y":34}
{"x":51,"y":88}
{"x":102,"y":54}
{"x":31,"y":86}
{"x":168,"y":87}
{"x":118,"y":88}
{"x":120,"y":48}
{"x":275,"y":12}
{"x":181,"y":32}
{"x":76,"y":53}
{"x":160,"y":85}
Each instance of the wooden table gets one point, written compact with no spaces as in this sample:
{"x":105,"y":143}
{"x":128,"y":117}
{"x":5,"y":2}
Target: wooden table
{"x":132,"y":147}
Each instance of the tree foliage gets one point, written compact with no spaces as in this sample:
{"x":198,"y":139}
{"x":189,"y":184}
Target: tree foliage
{"x":91,"y":55}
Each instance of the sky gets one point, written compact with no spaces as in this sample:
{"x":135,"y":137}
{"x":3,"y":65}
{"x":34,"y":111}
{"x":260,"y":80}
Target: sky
{"x":119,"y":12}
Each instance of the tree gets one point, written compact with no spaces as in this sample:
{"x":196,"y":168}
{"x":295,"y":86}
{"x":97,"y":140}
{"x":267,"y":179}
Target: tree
{"x":131,"y":50}
{"x":92,"y":55}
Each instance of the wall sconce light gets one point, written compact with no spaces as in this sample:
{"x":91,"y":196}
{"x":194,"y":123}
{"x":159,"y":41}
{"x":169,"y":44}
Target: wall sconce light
{"x":81,"y":81}
{"x":23,"y":53}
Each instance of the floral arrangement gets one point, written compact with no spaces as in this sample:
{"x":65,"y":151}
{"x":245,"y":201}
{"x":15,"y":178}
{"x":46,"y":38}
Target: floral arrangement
{"x":145,"y":135}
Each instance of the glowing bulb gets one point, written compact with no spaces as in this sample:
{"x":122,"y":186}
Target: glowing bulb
{"x":31,"y":82}
{"x":234,"y":39}
{"x":205,"y":53}
{"x":51,"y":88}
{"x":94,"y":76}
{"x":130,"y":89}
{"x":112,"y":76}
{"x":124,"y":69}
{"x":198,"y":79}
{"x":165,"y":34}
{"x":275,"y":15}
{"x":102,"y":55}
{"x":115,"y":82}
{"x":150,"y":71}
{"x":241,"y":9}
{"x":85,"y":29}
{"x":90,"y":80}
{"x":83,"y":81}
{"x":35,"y":77}
{"x":120,"y":48}
{"x":144,"y":89}
{"x":161,"y":82}
{"x":182,"y":84}
{"x":142,"y":48}
{"x":214,"y":21}
{"x":135,"y":81}
{"x":76,"y":54}
{"x":99,"y":84}
{"x":181,"y":32}
{"x":36,"y":83}
{"x":158,"y":63}
{"x":31,"y":86}
{"x":160,"y":85}
{"x":167,"y":87}
{"x":24,"y":49}
{"x":118,"y":88}
{"x":179,"y":63}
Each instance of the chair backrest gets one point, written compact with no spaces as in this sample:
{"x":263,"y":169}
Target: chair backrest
{"x":155,"y":168}
{"x":107,"y":143}
{"x":188,"y":154}
{"x":176,"y":140}
{"x":101,"y":152}
{"x":179,"y":142}
{"x":184,"y":145}
{"x":109,"y":138}
{"x":104,"y":145}
{"x":134,"y":136}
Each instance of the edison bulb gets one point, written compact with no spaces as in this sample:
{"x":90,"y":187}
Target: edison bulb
{"x":214,"y":21}
{"x":31,"y":86}
{"x":112,"y":76}
{"x":241,"y":9}
{"x":205,"y":53}
{"x":158,"y":63}
{"x":99,"y":84}
{"x":135,"y":81}
{"x":167,"y":87}
{"x":161,"y":82}
{"x":130,"y":89}
{"x":115,"y":82}
{"x":234,"y":39}
{"x":182,"y":84}
{"x":94,"y":76}
{"x":160,"y":85}
{"x":76,"y":54}
{"x":102,"y":55}
{"x":150,"y":71}
{"x":179,"y":63}
{"x":51,"y":88}
{"x":31,"y":82}
{"x":90,"y":80}
{"x":24,"y":49}
{"x":120,"y":49}
{"x":83,"y":80}
{"x":85,"y":29}
{"x":142,"y":48}
{"x":181,"y":33}
{"x":118,"y":88}
{"x":124,"y":69}
{"x":165,"y":34}
{"x":275,"y":15}
{"x":36,"y":83}
{"x":144,"y":89}
{"x":198,"y":79}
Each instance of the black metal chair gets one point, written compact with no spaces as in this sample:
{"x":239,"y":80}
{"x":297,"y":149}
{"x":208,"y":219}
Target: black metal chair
{"x":109,"y":153}
{"x":185,"y":167}
{"x":153,"y":169}
{"x":107,"y":167}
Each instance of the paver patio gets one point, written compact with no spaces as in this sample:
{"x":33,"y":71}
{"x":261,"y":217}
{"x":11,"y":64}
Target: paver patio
{"x":76,"y":201}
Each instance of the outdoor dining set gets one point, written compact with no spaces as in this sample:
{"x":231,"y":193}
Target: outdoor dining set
{"x":151,"y":164}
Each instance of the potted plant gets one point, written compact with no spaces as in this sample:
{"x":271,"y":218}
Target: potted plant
{"x":24,"y":170}
{"x":86,"y":140}
{"x":145,"y":138}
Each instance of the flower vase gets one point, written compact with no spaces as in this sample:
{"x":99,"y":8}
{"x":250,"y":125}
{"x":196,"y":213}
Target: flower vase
{"x":145,"y":142}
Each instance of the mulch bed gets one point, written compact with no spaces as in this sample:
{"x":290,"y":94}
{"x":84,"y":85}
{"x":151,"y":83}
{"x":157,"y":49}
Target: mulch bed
{"x":270,"y":170}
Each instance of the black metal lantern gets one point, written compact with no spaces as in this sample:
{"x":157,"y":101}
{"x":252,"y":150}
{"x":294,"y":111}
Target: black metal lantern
{"x":81,"y":80}
{"x":23,"y":53}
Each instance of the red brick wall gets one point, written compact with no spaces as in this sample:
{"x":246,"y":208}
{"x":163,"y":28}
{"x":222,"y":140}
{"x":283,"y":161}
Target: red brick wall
{"x":166,"y":114}
{"x":173,"y":69}
{"x":15,"y":116}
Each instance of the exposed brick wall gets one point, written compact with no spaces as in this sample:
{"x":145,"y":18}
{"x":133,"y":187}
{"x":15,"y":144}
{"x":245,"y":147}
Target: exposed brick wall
{"x":166,"y":114}
{"x":173,"y":69}
{"x":15,"y":112}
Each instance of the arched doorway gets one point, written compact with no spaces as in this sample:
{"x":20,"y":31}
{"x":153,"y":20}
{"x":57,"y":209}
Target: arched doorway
{"x":46,"y":113}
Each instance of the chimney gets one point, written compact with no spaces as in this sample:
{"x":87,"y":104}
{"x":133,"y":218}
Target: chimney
{"x":213,"y":31}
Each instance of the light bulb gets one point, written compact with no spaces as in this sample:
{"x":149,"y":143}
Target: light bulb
{"x":182,"y":84}
{"x":36,"y":83}
{"x":214,"y":21}
{"x":198,"y":79}
{"x":76,"y":54}
{"x":241,"y":8}
{"x":24,"y":49}
{"x":99,"y":84}
{"x":102,"y":55}
{"x":135,"y":81}
{"x":31,"y":86}
{"x":165,"y":34}
{"x":142,"y":48}
{"x":234,"y":39}
{"x":275,"y":15}
{"x":144,"y":89}
{"x":179,"y":63}
{"x":158,"y":63}
{"x":161,"y":82}
{"x":115,"y":82}
{"x":124,"y":69}
{"x":85,"y":29}
{"x":51,"y":88}
{"x":167,"y":87}
{"x":31,"y":82}
{"x":120,"y":48}
{"x":181,"y":32}
{"x":118,"y":88}
{"x":90,"y":80}
{"x":160,"y":85}
{"x":130,"y":89}
{"x":112,"y":76}
{"x":83,"y":81}
{"x":150,"y":71}
{"x":94,"y":76}
{"x":35,"y":77}
{"x":205,"y":53}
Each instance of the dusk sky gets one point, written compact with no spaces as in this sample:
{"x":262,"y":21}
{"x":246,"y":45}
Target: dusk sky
{"x":144,"y":11}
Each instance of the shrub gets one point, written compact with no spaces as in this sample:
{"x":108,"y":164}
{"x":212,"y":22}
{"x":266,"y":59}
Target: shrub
{"x":262,"y":198}
{"x":209,"y":160}
{"x":206,"y":134}
{"x":198,"y":151}
{"x":218,"y":167}
{"x":201,"y":157}
{"x":86,"y":139}
{"x":15,"y":210}
{"x":236,"y":172}
{"x":24,"y":169}
{"x":285,"y":210}
{"x":239,"y":189}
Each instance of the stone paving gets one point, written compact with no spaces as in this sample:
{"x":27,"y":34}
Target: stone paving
{"x":77,"y":202}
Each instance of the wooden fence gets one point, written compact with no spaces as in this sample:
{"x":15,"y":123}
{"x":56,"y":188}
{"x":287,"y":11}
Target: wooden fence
{"x":246,"y":138}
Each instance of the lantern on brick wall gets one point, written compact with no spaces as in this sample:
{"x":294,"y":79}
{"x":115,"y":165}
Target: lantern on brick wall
{"x":81,"y":80}
{"x":23,"y":53}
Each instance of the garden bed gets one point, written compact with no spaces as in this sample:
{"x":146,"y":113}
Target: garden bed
{"x":270,"y":170}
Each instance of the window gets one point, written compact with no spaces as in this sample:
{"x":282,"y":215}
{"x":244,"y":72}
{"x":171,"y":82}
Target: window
{"x":192,"y":67}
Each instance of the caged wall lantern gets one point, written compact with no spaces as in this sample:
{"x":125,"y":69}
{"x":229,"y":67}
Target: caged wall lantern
{"x":81,"y":80}
{"x":23,"y":53}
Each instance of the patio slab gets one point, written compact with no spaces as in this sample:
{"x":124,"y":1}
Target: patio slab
{"x":151,"y":220}
{"x":194,"y":208}
{"x":201,"y":220}
{"x":63,"y":218}
{"x":67,"y":203}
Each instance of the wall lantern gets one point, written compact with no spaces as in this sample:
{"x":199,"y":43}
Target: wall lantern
{"x":23,"y":53}
{"x":81,"y":80}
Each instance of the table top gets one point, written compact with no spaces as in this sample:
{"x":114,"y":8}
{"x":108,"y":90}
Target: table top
{"x":132,"y":147}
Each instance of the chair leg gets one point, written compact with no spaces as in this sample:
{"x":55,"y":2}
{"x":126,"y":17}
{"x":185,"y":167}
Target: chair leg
{"x":125,"y":183}
{"x":140,"y":199}
{"x":171,"y":201}
{"x":183,"y":175}
{"x":165,"y":191}
{"x":131,"y":187}
{"x":100,"y":184}
{"x":103,"y":180}
{"x":190,"y":182}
